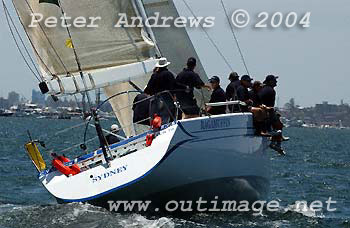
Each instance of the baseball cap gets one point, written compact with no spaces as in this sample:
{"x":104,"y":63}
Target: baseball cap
{"x":191,"y":62}
{"x":246,"y":78}
{"x":214,"y":79}
{"x":270,"y":78}
{"x":233,"y":75}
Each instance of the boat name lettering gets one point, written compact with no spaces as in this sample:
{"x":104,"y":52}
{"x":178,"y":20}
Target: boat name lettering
{"x":108,"y":174}
{"x":214,"y":124}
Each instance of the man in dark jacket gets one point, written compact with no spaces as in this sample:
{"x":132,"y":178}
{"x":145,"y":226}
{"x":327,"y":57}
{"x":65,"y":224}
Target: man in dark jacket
{"x":141,"y":108}
{"x":254,"y":93}
{"x":231,"y":89}
{"x":243,"y":92}
{"x":162,"y":80}
{"x":187,"y":80}
{"x":218,"y":95}
{"x":268,"y":97}
{"x":268,"y":94}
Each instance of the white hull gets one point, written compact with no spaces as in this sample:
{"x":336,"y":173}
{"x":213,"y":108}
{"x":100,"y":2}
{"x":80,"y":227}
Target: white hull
{"x":202,"y":157}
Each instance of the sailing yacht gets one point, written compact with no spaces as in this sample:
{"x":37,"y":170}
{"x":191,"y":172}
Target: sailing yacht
{"x":213,"y":157}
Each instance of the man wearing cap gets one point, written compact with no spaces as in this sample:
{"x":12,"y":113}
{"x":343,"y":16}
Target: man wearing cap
{"x":231,"y":89}
{"x":162,"y":80}
{"x":243,"y":93}
{"x":268,"y":94}
{"x":268,"y":97}
{"x":111,"y":138}
{"x":218,"y":95}
{"x":189,"y":80}
{"x":254,"y":93}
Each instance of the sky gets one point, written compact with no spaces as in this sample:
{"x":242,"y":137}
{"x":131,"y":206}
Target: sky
{"x":313,"y":63}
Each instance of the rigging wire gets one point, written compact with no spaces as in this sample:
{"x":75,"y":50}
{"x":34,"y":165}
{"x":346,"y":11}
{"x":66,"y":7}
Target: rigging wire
{"x":235,"y":37}
{"x":70,"y":37}
{"x":48,"y":40}
{"x":211,"y":40}
{"x":78,"y":145}
{"x":31,"y":42}
{"x":8,"y":18}
{"x":75,"y":53}
{"x":70,"y":128}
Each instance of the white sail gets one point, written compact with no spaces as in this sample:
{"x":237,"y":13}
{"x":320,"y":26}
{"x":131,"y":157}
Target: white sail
{"x":101,"y":78}
{"x":100,"y":47}
{"x":109,"y":56}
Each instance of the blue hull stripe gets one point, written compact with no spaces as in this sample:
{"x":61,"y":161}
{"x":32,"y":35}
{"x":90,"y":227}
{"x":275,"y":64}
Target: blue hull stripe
{"x":132,"y":182}
{"x":168,"y":153}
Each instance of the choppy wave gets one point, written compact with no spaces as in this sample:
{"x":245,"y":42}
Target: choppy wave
{"x":74,"y":215}
{"x":316,"y":168}
{"x":80,"y":215}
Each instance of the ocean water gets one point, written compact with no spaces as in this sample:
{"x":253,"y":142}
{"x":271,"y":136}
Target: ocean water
{"x":317,"y":166}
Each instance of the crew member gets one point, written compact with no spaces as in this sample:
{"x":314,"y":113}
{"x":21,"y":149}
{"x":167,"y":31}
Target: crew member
{"x":111,"y":138}
{"x":254,"y":93}
{"x":243,"y":92}
{"x":267,"y":96}
{"x":218,"y":95}
{"x":141,"y":108}
{"x":161,"y":81}
{"x":260,"y":112}
{"x":187,"y":80}
{"x":231,"y":89}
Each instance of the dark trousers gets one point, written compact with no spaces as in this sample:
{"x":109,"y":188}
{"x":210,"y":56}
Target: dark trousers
{"x":164,"y":107}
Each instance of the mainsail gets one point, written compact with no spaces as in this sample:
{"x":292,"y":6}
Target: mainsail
{"x":111,"y":55}
{"x":99,"y":46}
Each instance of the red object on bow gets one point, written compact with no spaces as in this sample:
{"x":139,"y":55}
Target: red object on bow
{"x":156,"y":122}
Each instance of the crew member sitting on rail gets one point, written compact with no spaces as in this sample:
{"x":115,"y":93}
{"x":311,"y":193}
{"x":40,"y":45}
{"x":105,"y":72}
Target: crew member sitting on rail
{"x":218,"y":95}
{"x":187,"y":80}
{"x":274,"y":126}
{"x":112,"y":139}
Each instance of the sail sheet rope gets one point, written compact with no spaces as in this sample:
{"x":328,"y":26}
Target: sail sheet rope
{"x":72,"y":43}
{"x":235,"y":37}
{"x":13,"y":27}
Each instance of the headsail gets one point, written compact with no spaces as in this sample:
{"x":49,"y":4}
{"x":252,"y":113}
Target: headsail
{"x":121,"y":104}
